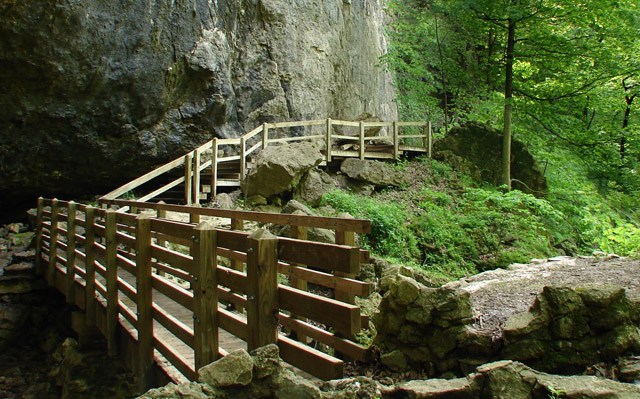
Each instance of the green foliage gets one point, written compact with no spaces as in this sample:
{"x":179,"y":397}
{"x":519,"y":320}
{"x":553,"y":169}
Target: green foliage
{"x":389,"y":235}
{"x":622,"y":240}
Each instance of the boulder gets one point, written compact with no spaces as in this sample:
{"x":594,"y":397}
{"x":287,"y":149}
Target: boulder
{"x":377,"y":173}
{"x":280,"y":168}
{"x":312,"y":186}
{"x":223,"y":201}
{"x":234,"y":369}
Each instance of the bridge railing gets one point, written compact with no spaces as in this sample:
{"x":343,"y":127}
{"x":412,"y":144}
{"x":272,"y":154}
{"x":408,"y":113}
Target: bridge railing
{"x":165,"y":283}
{"x":241,"y":148}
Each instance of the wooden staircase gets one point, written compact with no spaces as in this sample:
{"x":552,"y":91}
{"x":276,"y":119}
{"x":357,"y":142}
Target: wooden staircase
{"x":222,"y":164}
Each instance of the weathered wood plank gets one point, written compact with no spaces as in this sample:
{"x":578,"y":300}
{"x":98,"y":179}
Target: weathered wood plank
{"x":310,"y":360}
{"x":175,"y":358}
{"x":90,"y":267}
{"x":235,"y":280}
{"x":172,"y":228}
{"x":39,"y":228}
{"x":343,"y":317}
{"x":262,"y":276}
{"x":173,"y":258}
{"x":175,"y":326}
{"x":145,"y":301}
{"x":53,"y":248}
{"x":112,"y":280}
{"x":205,"y":258}
{"x":320,"y":255}
{"x":297,"y":138}
{"x":233,"y":323}
{"x":173,"y":291}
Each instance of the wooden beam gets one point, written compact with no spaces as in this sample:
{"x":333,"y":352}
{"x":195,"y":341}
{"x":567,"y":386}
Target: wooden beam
{"x":205,"y":291}
{"x":112,"y":280}
{"x":145,"y":301}
{"x":196,"y":177}
{"x":396,"y":140}
{"x":329,"y":257}
{"x":262,"y":275}
{"x":237,"y":224}
{"x":90,"y":266}
{"x":214,"y":167}
{"x":71,"y":251}
{"x":187,"y":178}
{"x":310,"y":360}
{"x":265,"y":135}
{"x":345,"y":238}
{"x":40,"y":215}
{"x":53,"y":243}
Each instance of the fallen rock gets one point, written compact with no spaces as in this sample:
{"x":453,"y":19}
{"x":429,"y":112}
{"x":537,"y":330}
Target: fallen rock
{"x":279,"y":168}
{"x":234,"y":369}
{"x":313,"y":185}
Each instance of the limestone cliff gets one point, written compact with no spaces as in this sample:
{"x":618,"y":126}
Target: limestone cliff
{"x":96,"y":92}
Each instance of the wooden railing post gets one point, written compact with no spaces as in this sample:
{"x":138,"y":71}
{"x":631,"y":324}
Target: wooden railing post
{"x":206,"y":295}
{"x":112,"y":280}
{"x":53,"y":244}
{"x":38,"y":261}
{"x":262,"y":293}
{"x":71,"y":251}
{"x":145,"y":301}
{"x":329,"y":139}
{"x":427,"y":141}
{"x":90,"y":266}
{"x":265,"y":135}
{"x":243,"y":158}
{"x":361,"y":140}
{"x":196,"y":177}
{"x":345,"y":238}
{"x":214,"y":167}
{"x":187,"y":178}
{"x":396,"y":140}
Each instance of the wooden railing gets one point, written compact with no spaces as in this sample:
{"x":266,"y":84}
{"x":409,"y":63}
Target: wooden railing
{"x":240,"y":149}
{"x":127,"y":271}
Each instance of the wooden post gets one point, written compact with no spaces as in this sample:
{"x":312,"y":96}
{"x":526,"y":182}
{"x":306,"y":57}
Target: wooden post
{"x":196,"y":177}
{"x":265,"y":135}
{"x":90,"y":266}
{"x":112,"y":280}
{"x":145,"y":301}
{"x":214,"y":167}
{"x":187,"y":178}
{"x":329,"y":139}
{"x":243,"y":158}
{"x":361,"y":140}
{"x":345,"y":238}
{"x":396,"y":140}
{"x":194,"y":218}
{"x":262,"y":293}
{"x":53,"y":244}
{"x":71,"y":251}
{"x":38,"y":262}
{"x":161,"y":214}
{"x":237,"y":224}
{"x":205,"y":290}
{"x":300,"y":233}
{"x":429,"y":142}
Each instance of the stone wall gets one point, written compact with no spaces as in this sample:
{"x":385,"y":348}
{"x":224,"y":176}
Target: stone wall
{"x":565,"y":331}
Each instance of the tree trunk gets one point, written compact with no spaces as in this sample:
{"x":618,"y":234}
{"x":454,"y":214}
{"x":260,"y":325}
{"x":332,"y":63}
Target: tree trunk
{"x":508,"y":106}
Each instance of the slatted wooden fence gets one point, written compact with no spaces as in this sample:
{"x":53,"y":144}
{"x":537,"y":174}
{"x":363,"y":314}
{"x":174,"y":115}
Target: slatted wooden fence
{"x":118,"y":269}
{"x":239,"y":150}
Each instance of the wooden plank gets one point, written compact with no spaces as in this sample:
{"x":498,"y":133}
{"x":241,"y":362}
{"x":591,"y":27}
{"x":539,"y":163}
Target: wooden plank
{"x":214,"y":167}
{"x":345,"y":318}
{"x":187,"y":178}
{"x":233,"y":323}
{"x":413,"y":136}
{"x":237,"y":224}
{"x":172,"y":228}
{"x":326,"y":279}
{"x":310,"y":360}
{"x":175,"y":326}
{"x":341,"y":137}
{"x":349,"y":348}
{"x":90,"y":267}
{"x":363,"y":147}
{"x":412,"y":148}
{"x":126,"y":240}
{"x":233,"y":141}
{"x":165,"y":269}
{"x":145,"y":302}
{"x":126,"y":219}
{"x":175,"y":358}
{"x":377,"y":124}
{"x":412,"y":123}
{"x":396,"y":140}
{"x":112,"y":280}
{"x":195,"y":196}
{"x":328,"y":140}
{"x":39,"y":219}
{"x":252,"y":149}
{"x":127,"y":289}
{"x":173,"y":291}
{"x":53,"y":248}
{"x":128,"y":314}
{"x":253,"y":133}
{"x":345,"y":238}
{"x":226,"y":295}
{"x":173,"y":258}
{"x":429,"y":139}
{"x":233,"y":240}
{"x":262,"y":293}
{"x":144,"y":178}
{"x":300,"y":233}
{"x":162,"y":189}
{"x":265,"y":135}
{"x":355,"y":225}
{"x":71,"y":251}
{"x":126,"y":260}
{"x":235,"y":280}
{"x":345,"y":123}
{"x":329,"y":257}
{"x":205,"y":258}
{"x":297,"y":138}
{"x":243,"y":158}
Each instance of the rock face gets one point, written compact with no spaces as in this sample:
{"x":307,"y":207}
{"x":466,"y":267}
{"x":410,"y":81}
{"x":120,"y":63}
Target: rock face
{"x":565,"y":330}
{"x":279,"y":168}
{"x":377,"y":173}
{"x":97,"y":92}
{"x":482,"y":146}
